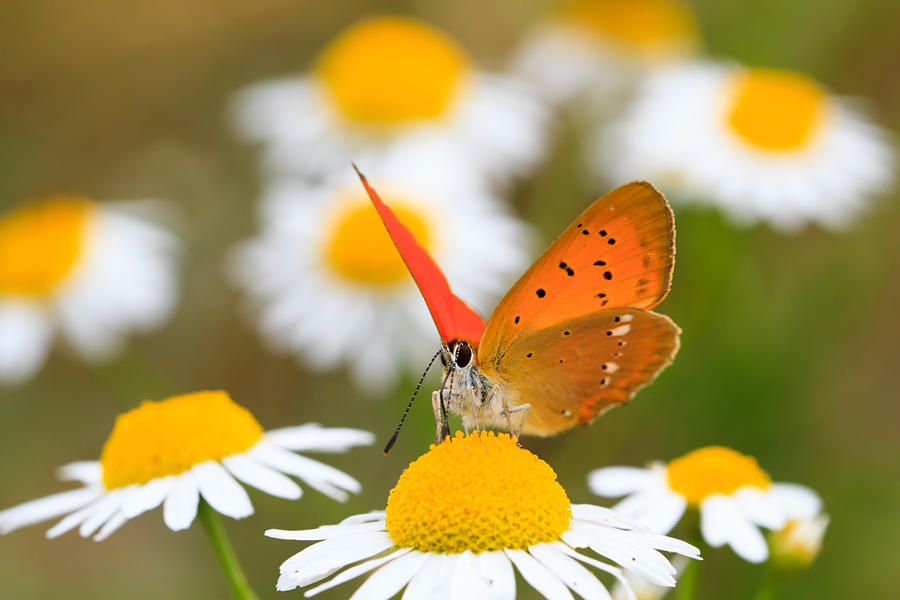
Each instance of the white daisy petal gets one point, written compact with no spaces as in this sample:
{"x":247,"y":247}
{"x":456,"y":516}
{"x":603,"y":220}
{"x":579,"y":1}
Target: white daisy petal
{"x":619,"y":481}
{"x":311,"y":471}
{"x":429,"y":579}
{"x":721,"y":522}
{"x":538,"y":576}
{"x":73,"y":520}
{"x":580,"y":580}
{"x":356,"y":571}
{"x":614,"y":571}
{"x":111,"y":526}
{"x":261,"y":477}
{"x":47,"y":508}
{"x":148,"y":496}
{"x":335,"y":553}
{"x":87,"y":472}
{"x":221,"y":491}
{"x":314,"y":438}
{"x":390,"y":579}
{"x":761,"y":507}
{"x":325,"y":532}
{"x":799,"y":501}
{"x":466,"y":582}
{"x":497,"y":567}
{"x":102,"y":512}
{"x":26,"y":333}
{"x":180,"y":506}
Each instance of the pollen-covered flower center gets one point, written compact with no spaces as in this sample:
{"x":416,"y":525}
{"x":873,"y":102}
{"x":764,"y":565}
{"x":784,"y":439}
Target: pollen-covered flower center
{"x":714,"y":470}
{"x":639,"y":23}
{"x":169,"y":437}
{"x":776,"y":110}
{"x":39,"y":245}
{"x":361,"y":250}
{"x":391,"y":69}
{"x":478,"y":494}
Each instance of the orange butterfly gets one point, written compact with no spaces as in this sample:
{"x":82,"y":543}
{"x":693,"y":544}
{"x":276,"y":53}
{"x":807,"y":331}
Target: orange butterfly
{"x":574,"y":336}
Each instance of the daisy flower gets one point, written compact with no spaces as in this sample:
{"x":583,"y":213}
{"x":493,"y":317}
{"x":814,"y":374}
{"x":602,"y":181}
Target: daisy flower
{"x":734,"y":497}
{"x":600,"y":48}
{"x":329,"y":284}
{"x":390,"y":79}
{"x":177,"y":451}
{"x":92,"y":271}
{"x":763,"y":144}
{"x":458,"y":521}
{"x":797,"y":545}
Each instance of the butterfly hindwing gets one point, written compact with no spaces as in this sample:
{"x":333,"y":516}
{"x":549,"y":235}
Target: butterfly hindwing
{"x":620,"y":252}
{"x":575,"y":370}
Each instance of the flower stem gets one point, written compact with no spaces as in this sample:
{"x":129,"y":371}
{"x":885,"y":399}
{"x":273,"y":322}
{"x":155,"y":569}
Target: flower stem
{"x":770,"y":585}
{"x":687,"y":581}
{"x":215,"y":531}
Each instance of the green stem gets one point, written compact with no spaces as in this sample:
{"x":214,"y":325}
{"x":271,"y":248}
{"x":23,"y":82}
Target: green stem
{"x":215,"y":531}
{"x":686,"y":589}
{"x":769,"y":587}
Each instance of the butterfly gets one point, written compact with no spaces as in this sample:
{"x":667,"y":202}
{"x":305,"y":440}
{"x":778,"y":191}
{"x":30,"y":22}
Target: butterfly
{"x":573,"y":337}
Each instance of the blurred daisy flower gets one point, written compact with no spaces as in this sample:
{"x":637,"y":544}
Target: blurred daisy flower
{"x":734,"y":497}
{"x":796,"y":546}
{"x":458,"y":521}
{"x":390,"y":79}
{"x":330,"y":285}
{"x":94,"y":271}
{"x":600,"y":48}
{"x":175,"y":452}
{"x":764,"y":144}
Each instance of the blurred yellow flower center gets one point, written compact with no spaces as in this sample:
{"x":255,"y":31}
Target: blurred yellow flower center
{"x":169,"y":437}
{"x":777,"y":110}
{"x":477,"y":494}
{"x":392,"y":69}
{"x":361,"y":250}
{"x":639,"y":23}
{"x":40,"y":244}
{"x":714,"y":470}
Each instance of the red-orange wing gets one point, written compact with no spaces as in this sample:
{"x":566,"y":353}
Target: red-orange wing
{"x":620,"y":252}
{"x":454,"y":318}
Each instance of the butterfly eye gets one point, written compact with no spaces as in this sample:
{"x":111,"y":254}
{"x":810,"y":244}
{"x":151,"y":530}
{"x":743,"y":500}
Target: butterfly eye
{"x":462,"y":355}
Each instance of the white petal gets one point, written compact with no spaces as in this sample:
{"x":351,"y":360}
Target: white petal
{"x":261,"y":477}
{"x":430,"y":578}
{"x":180,"y":506}
{"x":799,"y":501}
{"x":26,"y":333}
{"x":86,"y":471}
{"x":619,"y":481}
{"x":722,"y":522}
{"x":466,"y":582}
{"x":220,"y":489}
{"x":496,"y":567}
{"x":313,"y":437}
{"x":614,"y":571}
{"x":326,"y":556}
{"x":103,"y":512}
{"x":317,"y":475}
{"x":111,"y":526}
{"x":603,"y":516}
{"x":148,"y":496}
{"x":390,"y":579}
{"x":47,"y":508}
{"x":357,"y":570}
{"x":761,"y":507}
{"x":73,"y":520}
{"x":579,"y":579}
{"x":537,"y":575}
{"x":325,"y":532}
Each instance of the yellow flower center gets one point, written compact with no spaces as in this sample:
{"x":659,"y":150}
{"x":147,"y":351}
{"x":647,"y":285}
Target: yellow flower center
{"x":777,"y":110}
{"x":170,"y":437}
{"x":392,"y":69}
{"x":40,"y":244}
{"x":714,"y":470}
{"x":642,"y":24}
{"x":477,"y":494}
{"x":361,"y":249}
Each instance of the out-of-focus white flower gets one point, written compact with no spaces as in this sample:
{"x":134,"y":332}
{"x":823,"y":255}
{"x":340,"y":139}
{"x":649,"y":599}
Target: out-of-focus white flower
{"x":329,"y":283}
{"x":458,"y":521}
{"x":174,"y":452}
{"x":796,"y":546}
{"x":391,"y":79}
{"x":763,"y":144}
{"x":734,"y":497}
{"x":93,"y":271}
{"x":597,"y":49}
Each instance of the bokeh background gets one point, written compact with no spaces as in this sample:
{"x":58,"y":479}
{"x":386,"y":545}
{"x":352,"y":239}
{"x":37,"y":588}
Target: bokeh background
{"x":789,"y":349}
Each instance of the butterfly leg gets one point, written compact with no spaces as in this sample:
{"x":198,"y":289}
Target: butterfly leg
{"x":527,"y":409}
{"x":443,"y":427}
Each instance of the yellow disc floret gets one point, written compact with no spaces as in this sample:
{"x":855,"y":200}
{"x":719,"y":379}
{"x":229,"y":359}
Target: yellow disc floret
{"x":169,"y":437}
{"x":641,"y":24}
{"x":40,"y":244}
{"x":360,"y":249}
{"x":777,"y":110}
{"x":714,"y":470}
{"x":479,"y":494}
{"x":391,"y":69}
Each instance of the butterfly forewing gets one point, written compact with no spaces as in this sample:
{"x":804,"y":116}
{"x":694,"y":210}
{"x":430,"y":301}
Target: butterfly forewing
{"x":575,"y":370}
{"x":619,"y":253}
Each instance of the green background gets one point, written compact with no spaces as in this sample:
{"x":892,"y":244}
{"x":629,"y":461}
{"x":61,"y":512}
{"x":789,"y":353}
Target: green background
{"x":790,"y":343}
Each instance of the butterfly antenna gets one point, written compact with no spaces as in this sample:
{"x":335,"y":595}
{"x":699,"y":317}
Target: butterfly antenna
{"x":390,"y":444}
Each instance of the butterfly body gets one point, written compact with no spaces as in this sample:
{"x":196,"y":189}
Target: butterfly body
{"x":574,"y":336}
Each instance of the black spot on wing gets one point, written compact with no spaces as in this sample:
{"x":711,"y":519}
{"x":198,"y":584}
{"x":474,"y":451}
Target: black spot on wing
{"x":600,"y":263}
{"x":607,"y":275}
{"x":602,"y":232}
{"x":516,"y":320}
{"x":540,"y":293}
{"x":565,"y":267}
{"x":611,"y":241}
